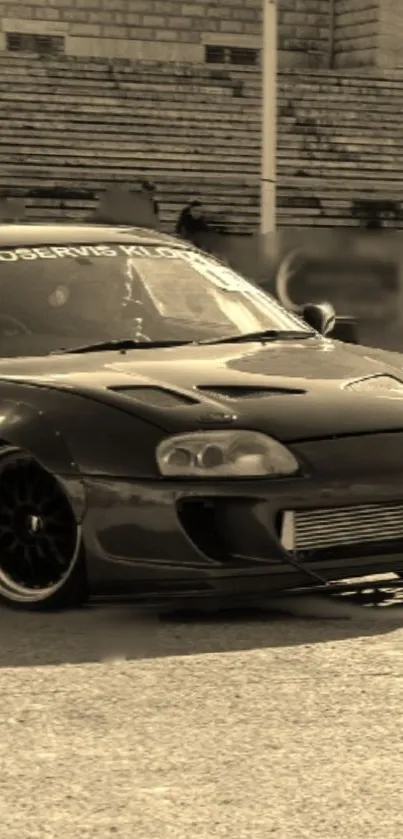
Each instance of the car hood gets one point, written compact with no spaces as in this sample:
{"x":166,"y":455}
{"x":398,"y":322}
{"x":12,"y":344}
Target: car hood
{"x":293,"y":390}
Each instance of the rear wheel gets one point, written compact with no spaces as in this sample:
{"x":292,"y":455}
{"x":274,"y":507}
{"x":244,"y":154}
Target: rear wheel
{"x":41,"y":559}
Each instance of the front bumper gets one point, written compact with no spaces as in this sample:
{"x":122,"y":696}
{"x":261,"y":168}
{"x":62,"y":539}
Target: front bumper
{"x":229,"y":536}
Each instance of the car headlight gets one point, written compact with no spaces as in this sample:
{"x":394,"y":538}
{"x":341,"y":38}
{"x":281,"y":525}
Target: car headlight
{"x":224,"y":454}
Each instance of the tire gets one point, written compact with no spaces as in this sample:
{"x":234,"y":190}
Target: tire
{"x":42,"y":563}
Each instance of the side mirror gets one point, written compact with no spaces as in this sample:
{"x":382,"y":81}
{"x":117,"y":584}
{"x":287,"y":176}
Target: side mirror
{"x":320,"y":316}
{"x":346,"y":330}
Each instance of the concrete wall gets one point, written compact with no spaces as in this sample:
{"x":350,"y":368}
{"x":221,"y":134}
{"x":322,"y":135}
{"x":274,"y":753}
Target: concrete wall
{"x":356,"y":32}
{"x":390,"y":44}
{"x":359,"y":33}
{"x":368,"y":33}
{"x":304,"y":33}
{"x":172,"y":30}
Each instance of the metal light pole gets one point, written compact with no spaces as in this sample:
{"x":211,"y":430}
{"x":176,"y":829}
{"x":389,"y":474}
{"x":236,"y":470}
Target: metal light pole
{"x":269,"y":118}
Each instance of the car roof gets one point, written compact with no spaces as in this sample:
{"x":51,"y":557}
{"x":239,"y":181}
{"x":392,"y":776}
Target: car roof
{"x":18,"y":235}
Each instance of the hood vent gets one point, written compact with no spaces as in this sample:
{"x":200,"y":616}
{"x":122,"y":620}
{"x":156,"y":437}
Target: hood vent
{"x":380,"y":384}
{"x":155,"y":397}
{"x":248,"y":392}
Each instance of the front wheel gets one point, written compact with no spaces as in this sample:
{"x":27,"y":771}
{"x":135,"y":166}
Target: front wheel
{"x":41,"y":558}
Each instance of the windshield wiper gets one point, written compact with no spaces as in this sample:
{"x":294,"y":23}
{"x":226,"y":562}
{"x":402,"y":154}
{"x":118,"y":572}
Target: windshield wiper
{"x":118,"y":344}
{"x":133,"y":344}
{"x":264,"y":335}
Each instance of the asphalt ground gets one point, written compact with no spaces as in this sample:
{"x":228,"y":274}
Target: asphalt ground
{"x":115,"y":723}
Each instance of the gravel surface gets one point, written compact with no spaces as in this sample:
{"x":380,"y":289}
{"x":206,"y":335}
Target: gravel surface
{"x":116,"y":724}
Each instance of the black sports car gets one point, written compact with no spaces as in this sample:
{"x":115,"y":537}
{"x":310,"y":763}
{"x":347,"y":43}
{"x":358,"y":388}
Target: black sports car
{"x":168,"y":430}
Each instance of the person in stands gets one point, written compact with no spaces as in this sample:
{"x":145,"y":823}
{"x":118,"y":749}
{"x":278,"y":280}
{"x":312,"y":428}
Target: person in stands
{"x":192,"y":225}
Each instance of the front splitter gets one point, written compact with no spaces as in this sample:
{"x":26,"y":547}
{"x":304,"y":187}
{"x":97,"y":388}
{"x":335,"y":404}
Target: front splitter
{"x":375,"y":592}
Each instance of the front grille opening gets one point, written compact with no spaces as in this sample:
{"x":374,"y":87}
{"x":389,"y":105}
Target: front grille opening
{"x":347,"y":526}
{"x":35,"y":43}
{"x":278,"y":522}
{"x":238,"y":56}
{"x":200,"y":519}
{"x":341,"y":532}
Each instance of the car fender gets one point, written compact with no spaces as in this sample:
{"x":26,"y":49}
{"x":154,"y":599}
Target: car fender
{"x":28,"y":428}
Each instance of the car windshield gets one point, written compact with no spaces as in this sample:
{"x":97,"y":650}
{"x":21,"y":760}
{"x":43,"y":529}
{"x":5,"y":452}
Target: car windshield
{"x":52,"y":297}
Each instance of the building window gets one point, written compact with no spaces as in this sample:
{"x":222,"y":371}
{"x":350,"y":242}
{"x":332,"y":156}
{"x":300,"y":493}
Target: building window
{"x":241,"y":56}
{"x":30,"y":42}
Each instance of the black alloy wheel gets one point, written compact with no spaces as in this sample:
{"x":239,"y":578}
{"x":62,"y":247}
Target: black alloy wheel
{"x":41,"y":559}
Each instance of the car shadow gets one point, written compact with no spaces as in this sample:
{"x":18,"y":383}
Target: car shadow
{"x":97,"y":634}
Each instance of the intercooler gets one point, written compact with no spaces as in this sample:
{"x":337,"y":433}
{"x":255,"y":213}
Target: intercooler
{"x":341,"y":526}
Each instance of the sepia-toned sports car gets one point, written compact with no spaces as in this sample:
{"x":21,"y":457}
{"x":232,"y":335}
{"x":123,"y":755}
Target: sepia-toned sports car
{"x":168,"y":430}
